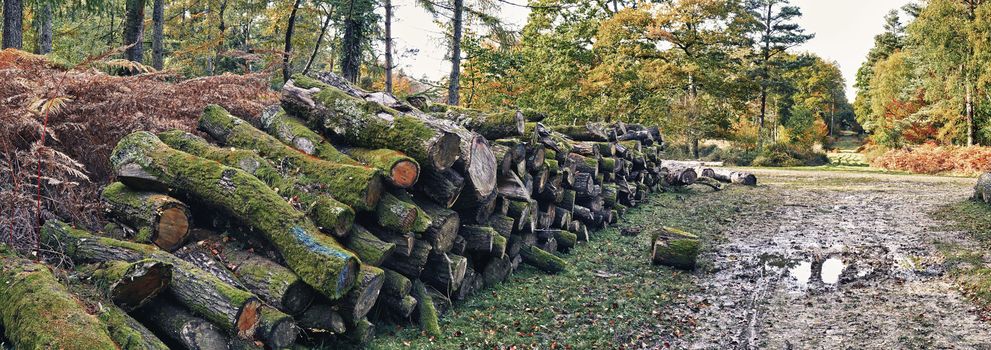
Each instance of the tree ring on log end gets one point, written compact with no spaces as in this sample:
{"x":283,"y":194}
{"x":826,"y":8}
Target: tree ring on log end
{"x":405,"y":173}
{"x":173,"y":228}
{"x":247,"y":319}
{"x":446,"y":152}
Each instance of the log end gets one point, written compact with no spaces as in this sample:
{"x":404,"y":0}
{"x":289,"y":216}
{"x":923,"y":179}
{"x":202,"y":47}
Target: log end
{"x":297,"y":297}
{"x":404,"y":173}
{"x":141,"y":282}
{"x":248,"y":318}
{"x":173,"y":228}
{"x":445,"y":151}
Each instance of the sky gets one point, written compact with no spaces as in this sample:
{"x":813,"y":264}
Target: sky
{"x":844,"y":29}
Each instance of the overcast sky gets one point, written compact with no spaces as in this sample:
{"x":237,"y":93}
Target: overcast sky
{"x":844,"y":31}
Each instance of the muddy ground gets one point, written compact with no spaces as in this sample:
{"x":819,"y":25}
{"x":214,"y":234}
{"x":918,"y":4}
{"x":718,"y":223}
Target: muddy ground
{"x":835,"y":260}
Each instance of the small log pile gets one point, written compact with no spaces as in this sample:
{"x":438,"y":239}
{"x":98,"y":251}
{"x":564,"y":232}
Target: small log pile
{"x":340,"y":209}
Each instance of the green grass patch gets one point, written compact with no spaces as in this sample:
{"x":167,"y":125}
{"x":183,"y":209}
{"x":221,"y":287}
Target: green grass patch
{"x":610,"y":296}
{"x":967,"y":265}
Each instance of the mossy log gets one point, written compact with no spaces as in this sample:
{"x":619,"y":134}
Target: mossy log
{"x":395,"y":296}
{"x":292,"y":131}
{"x":469,"y":285}
{"x":512,"y":187}
{"x":675,"y":248}
{"x":371,"y":249}
{"x":361,"y":123}
{"x":584,"y":164}
{"x":565,"y":240}
{"x":38,"y":312}
{"x":357,"y":186}
{"x":130,"y":285}
{"x":402,"y":240}
{"x":542,"y":260}
{"x":609,"y":165}
{"x":497,"y":270}
{"x":606,"y":149}
{"x":679,"y":176}
{"x":329,"y":214}
{"x":443,"y":227}
{"x":477,"y":212}
{"x":735,"y":177}
{"x":443,"y":187}
{"x":154,"y":217}
{"x":277,"y":285}
{"x":410,"y":265}
{"x":492,"y":125}
{"x":321,"y":318}
{"x":562,"y":217}
{"x":201,"y":255}
{"x":232,"y":309}
{"x":584,"y":184}
{"x":275,"y":328}
{"x":568,"y":200}
{"x":392,"y":213}
{"x":587,"y":149}
{"x":128,"y":333}
{"x":427,"y":312}
{"x":360,"y":332}
{"x":478,"y":239}
{"x":504,"y":159}
{"x":143,"y":161}
{"x":982,"y":190}
{"x":401,"y":171}
{"x":521,"y":212}
{"x":587,"y":132}
{"x":177,"y":324}
{"x":444,"y":272}
{"x":359,"y":301}
{"x":499,"y":246}
{"x":502,"y":224}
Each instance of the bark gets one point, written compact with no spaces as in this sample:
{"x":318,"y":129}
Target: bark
{"x":410,"y":265}
{"x":321,"y":318}
{"x":287,"y":50}
{"x":141,"y":160}
{"x":565,"y":240}
{"x":275,"y":284}
{"x":502,"y":224}
{"x":395,"y":295}
{"x":154,"y":218}
{"x":476,"y":212}
{"x":361,"y":123}
{"x":543,"y":260}
{"x":679,"y":176}
{"x":328,"y":214}
{"x":587,"y":132}
{"x":128,"y":333}
{"x":130,"y":285}
{"x":401,"y":170}
{"x":388,"y":46}
{"x":351,"y":44}
{"x":44,"y":30}
{"x":675,"y":248}
{"x":478,"y":239}
{"x":445,"y":272}
{"x":471,"y":284}
{"x":37,"y":312}
{"x":521,"y":212}
{"x":13,"y":21}
{"x":455,"y":78}
{"x":295,"y":133}
{"x":361,"y":331}
{"x":491,"y":125}
{"x":584,"y":164}
{"x":179,"y":325}
{"x":497,"y":270}
{"x":359,"y":187}
{"x":404,"y":241}
{"x":736,"y":177}
{"x":134,"y":28}
{"x":369,"y":248}
{"x":158,"y":35}
{"x":276,"y":329}
{"x":443,"y":187}
{"x":443,"y":227}
{"x":394,"y":214}
{"x":587,"y":149}
{"x":359,"y":301}
{"x":510,"y":186}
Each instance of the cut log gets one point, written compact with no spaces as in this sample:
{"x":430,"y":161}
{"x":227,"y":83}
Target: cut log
{"x":735,"y":177}
{"x":395,"y":296}
{"x":562,"y":217}
{"x":359,"y":301}
{"x":542,"y":260}
{"x":497,"y":270}
{"x":679,"y":176}
{"x":321,"y":318}
{"x":565,"y":240}
{"x":675,"y":248}
{"x":360,"y":332}
{"x":443,"y":187}
{"x":401,"y":171}
{"x":360,"y":123}
{"x":535,"y":156}
{"x":520,"y":211}
{"x":445,"y":272}
{"x":403,"y":241}
{"x":201,"y":255}
{"x":328,"y":214}
{"x":584,"y":184}
{"x":155,"y":218}
{"x":477,"y":211}
{"x":502,"y":224}
{"x":428,"y":316}
{"x":393,"y":214}
{"x":177,"y":324}
{"x":127,"y":332}
{"x":410,"y":265}
{"x":276,"y":329}
{"x":359,"y":187}
{"x":443,"y":227}
{"x":606,"y":149}
{"x":548,"y":245}
{"x":230,"y":308}
{"x":494,"y":125}
{"x":273,"y":283}
{"x":478,"y":239}
{"x":467,"y":287}
{"x":587,"y":149}
{"x":369,"y":248}
{"x":141,"y":160}
{"x":568,"y":200}
{"x":130,"y":285}
{"x":512,"y":187}
{"x":37,"y":312}
{"x":587,"y":132}
{"x":294,"y":132}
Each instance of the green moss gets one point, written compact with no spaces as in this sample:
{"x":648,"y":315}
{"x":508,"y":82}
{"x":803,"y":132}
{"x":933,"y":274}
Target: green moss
{"x":355,"y":186}
{"x":499,"y":244}
{"x":39,"y":313}
{"x":428,"y":317}
{"x":566,"y":239}
{"x":127,"y":332}
{"x":608,"y":164}
{"x":293,"y":132}
{"x":551,"y":165}
{"x":681,"y":249}
{"x":550,"y":153}
{"x":543,"y":260}
{"x":319,"y":260}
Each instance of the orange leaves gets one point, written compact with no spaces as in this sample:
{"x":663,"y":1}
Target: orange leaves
{"x":932,"y":159}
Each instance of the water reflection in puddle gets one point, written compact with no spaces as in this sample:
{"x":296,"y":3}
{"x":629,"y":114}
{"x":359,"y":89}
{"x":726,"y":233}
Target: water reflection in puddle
{"x":829,"y":272}
{"x":802,"y":272}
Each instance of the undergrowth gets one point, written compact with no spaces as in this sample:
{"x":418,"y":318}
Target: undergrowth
{"x":610,"y":298}
{"x":932,"y":159}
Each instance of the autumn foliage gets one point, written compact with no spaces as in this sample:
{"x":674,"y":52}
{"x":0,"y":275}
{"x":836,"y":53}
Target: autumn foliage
{"x":933,"y":159}
{"x":87,"y":112}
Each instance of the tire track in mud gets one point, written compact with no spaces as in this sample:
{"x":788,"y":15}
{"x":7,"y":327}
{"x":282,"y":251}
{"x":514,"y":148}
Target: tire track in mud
{"x":836,"y":261}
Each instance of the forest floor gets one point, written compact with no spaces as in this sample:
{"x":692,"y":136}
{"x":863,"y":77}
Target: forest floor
{"x":807,"y":260}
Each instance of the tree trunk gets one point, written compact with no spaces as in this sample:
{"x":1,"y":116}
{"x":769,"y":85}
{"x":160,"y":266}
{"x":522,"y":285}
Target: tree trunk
{"x":401,"y":170}
{"x":388,"y":46}
{"x":453,"y":89}
{"x":295,"y":133}
{"x":38,"y":312}
{"x":395,"y":296}
{"x":316,"y":47}
{"x":324,"y":105}
{"x":359,"y":187}
{"x":445,"y":272}
{"x":13,"y":20}
{"x":330,"y":215}
{"x":134,"y":29}
{"x":443,"y":187}
{"x":158,"y":34}
{"x":44,"y":30}
{"x":736,"y":177}
{"x":127,"y":332}
{"x":428,"y":316}
{"x":371,"y":249}
{"x":351,"y":45}
{"x":321,"y":318}
{"x":359,"y":301}
{"x":154,"y":218}
{"x":141,"y":160}
{"x":287,"y":50}
{"x":542,"y":260}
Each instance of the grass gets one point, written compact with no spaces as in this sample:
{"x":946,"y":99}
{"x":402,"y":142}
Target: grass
{"x":969,"y":266}
{"x":610,"y":297}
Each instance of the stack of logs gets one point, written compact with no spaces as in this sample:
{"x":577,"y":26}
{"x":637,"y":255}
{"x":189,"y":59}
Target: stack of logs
{"x":337,"y":210}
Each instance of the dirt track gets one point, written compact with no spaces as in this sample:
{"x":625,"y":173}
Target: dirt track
{"x":835,"y":260}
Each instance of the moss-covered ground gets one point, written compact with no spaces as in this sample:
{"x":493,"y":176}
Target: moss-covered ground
{"x":610,"y":297}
